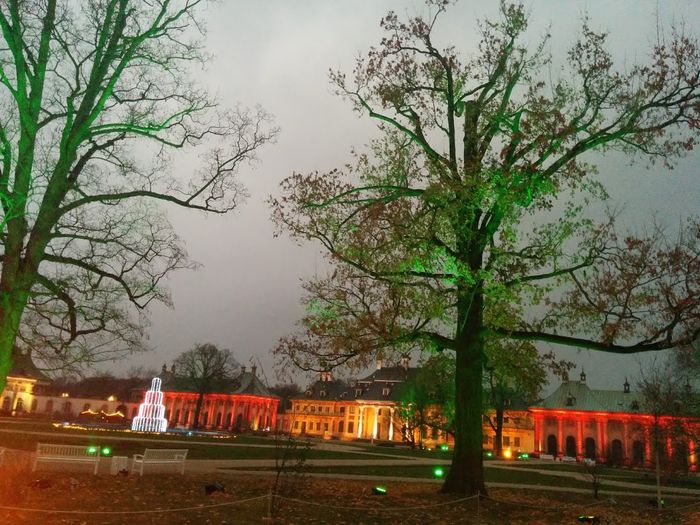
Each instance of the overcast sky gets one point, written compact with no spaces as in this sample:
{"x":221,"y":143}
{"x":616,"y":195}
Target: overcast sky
{"x":277,"y":54}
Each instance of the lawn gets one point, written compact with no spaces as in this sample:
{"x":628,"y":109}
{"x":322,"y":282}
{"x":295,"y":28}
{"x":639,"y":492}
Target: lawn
{"x":180,"y":500}
{"x":121,"y":446}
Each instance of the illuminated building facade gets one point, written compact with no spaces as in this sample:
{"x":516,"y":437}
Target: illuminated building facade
{"x":606,"y":425}
{"x":19,"y":396}
{"x":248,"y":405}
{"x":363,"y":409}
{"x":518,"y":434}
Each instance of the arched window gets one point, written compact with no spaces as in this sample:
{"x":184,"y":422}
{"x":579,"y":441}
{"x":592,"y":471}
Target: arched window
{"x":340,"y":426}
{"x":552,"y":445}
{"x":6,"y":404}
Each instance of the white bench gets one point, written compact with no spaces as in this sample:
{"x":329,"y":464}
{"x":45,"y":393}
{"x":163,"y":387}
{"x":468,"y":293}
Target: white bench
{"x":160,"y":456}
{"x":67,"y":454}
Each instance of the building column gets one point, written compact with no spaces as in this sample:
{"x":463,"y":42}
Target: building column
{"x":579,"y":439}
{"x":647,"y":445}
{"x":625,"y":443}
{"x":560,"y":436}
{"x":600,"y":440}
{"x":359,"y":425}
{"x":376,"y":421}
{"x":669,"y":448}
{"x":539,"y":424}
{"x":692,"y":456}
{"x":391,"y":424}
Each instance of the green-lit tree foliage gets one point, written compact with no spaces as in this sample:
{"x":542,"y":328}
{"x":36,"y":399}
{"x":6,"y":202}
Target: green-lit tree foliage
{"x":426,"y":400}
{"x":432,"y":233}
{"x":204,"y":369}
{"x":93,"y":96}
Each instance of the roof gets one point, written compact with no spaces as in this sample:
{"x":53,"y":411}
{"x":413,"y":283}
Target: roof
{"x":380,"y":385}
{"x":23,"y":366}
{"x":576,"y":395}
{"x":250,"y":384}
{"x":246,"y":383}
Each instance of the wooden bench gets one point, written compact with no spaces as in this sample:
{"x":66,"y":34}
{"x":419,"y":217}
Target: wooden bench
{"x":160,"y":456}
{"x":67,"y":454}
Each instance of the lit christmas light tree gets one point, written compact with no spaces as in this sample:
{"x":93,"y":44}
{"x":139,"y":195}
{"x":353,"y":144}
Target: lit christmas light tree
{"x":151,"y":416}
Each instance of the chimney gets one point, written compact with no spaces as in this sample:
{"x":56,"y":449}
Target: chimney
{"x":404,"y":362}
{"x":583,"y":377}
{"x":379,"y":364}
{"x":253,"y":369}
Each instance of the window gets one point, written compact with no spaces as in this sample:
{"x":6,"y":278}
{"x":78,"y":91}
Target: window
{"x":323,"y":393}
{"x":325,"y":427}
{"x":296,"y":425}
{"x":635,"y":405}
{"x":318,"y":425}
{"x":328,"y":409}
{"x":351,"y":427}
{"x":20,"y":405}
{"x":352,"y":410}
{"x":506,"y":420}
{"x":295,"y":408}
{"x":313,"y":408}
{"x":485,"y":439}
{"x":342,"y":410}
{"x":386,"y":391}
{"x":35,"y":404}
{"x":358,"y":392}
{"x":516,"y":441}
{"x":506,"y":441}
{"x":340,"y":427}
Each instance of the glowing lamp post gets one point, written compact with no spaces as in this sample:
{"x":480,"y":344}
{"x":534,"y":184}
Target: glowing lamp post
{"x":151,"y":411}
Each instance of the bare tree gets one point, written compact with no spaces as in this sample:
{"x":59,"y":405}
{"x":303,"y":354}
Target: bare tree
{"x":429,"y":234}
{"x":205,"y":368}
{"x":95,"y":99}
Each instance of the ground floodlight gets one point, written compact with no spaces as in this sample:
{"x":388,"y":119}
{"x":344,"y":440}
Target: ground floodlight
{"x":587,"y":518}
{"x":379,"y":490}
{"x":438,"y":472}
{"x":444,"y":447}
{"x":106,"y":451}
{"x":92,"y":450}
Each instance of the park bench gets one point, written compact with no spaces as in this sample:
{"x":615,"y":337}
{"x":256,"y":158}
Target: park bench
{"x":160,"y":456}
{"x":67,"y":454}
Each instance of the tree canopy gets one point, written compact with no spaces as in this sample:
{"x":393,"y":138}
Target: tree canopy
{"x":96,"y":97}
{"x":431,"y":232}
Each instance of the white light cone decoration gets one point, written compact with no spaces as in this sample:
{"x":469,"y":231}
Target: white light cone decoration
{"x":151,"y":411}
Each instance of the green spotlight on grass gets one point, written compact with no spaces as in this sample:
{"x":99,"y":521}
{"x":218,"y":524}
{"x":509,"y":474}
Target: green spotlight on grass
{"x":379,"y":490}
{"x":438,"y":472}
{"x":444,"y":448}
{"x":489,"y":454}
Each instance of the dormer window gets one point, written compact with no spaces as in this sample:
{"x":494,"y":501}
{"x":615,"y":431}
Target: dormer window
{"x":635,"y":405}
{"x":386,"y":391}
{"x":358,"y":392}
{"x":342,"y":395}
{"x":570,"y":400}
{"x":323,"y":393}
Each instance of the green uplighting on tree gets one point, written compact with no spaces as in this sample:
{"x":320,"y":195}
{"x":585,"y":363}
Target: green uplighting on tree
{"x":467,"y":230}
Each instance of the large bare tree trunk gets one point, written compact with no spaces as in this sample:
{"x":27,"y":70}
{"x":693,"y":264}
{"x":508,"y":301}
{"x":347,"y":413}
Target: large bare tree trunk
{"x":466,"y":475}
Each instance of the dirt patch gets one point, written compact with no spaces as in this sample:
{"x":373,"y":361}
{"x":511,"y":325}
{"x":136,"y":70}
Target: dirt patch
{"x":116,"y":499}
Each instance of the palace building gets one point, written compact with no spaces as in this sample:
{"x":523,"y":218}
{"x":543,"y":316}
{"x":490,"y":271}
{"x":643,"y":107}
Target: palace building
{"x":19,"y":395}
{"x":606,"y":425}
{"x":246,"y":405}
{"x":362,"y":409}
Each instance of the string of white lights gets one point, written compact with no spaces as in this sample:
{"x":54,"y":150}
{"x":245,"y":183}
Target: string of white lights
{"x":121,"y":512}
